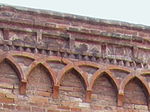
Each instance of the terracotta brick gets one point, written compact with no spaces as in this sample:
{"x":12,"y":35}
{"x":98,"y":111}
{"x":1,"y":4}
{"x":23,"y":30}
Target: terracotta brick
{"x":75,"y":109}
{"x":53,"y":110}
{"x":5,"y":85}
{"x":6,"y":100}
{"x":2,"y":95}
{"x":64,"y":107}
{"x":53,"y":62}
{"x":12,"y":96}
{"x":9,"y":106}
{"x":43,"y":93}
{"x":23,"y":108}
{"x":37,"y":109}
{"x":38,"y":99}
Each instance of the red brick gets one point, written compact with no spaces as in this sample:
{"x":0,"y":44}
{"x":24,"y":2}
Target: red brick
{"x":9,"y":106}
{"x":6,"y":100}
{"x":53,"y":62}
{"x":75,"y":109}
{"x":23,"y":108}
{"x":37,"y":109}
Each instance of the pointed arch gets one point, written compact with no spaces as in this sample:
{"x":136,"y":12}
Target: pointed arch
{"x":9,"y":59}
{"x":87,"y":63}
{"x":144,"y":72}
{"x":101,"y":72}
{"x":56,"y":58}
{"x":131,"y":77}
{"x":24,"y":54}
{"x":112,"y":67}
{"x":72,"y":67}
{"x":45,"y":65}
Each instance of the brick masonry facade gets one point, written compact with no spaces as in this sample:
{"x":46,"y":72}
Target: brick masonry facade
{"x":55,"y":62}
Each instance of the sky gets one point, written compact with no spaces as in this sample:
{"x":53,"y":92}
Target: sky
{"x":132,"y":11}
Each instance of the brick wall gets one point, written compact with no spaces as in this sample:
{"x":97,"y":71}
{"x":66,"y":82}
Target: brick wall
{"x":55,"y":62}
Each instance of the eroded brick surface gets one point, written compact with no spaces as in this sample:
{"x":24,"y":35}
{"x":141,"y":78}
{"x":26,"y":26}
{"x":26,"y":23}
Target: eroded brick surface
{"x":54,"y":62}
{"x":104,"y":94}
{"x":72,"y":87}
{"x":39,"y":82}
{"x":135,"y":96}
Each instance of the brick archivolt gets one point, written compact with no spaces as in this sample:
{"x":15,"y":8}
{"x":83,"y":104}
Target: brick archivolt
{"x":72,"y":64}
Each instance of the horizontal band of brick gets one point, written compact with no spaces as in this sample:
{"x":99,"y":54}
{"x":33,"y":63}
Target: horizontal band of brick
{"x":73,"y":65}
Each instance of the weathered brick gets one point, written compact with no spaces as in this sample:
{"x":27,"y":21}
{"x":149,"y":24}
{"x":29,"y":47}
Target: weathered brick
{"x":75,"y":109}
{"x":6,"y":100}
{"x":53,"y":62}
{"x":37,"y":109}
{"x":9,"y":106}
{"x":38,"y":99}
{"x":6,"y":86}
{"x":23,"y":108}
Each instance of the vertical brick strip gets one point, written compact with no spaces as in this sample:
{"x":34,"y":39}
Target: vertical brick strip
{"x":120,"y":100}
{"x":6,"y":34}
{"x":71,"y":42}
{"x":56,"y":91}
{"x":103,"y":49}
{"x":88,"y":96}
{"x":22,"y":88}
{"x":39,"y":36}
{"x":135,"y":52}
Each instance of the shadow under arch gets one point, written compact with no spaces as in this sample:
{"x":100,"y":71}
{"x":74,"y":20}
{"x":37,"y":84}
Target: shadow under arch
{"x":143,"y":85}
{"x":68,"y":68}
{"x":21,"y":76}
{"x":99,"y":75}
{"x":107,"y":73}
{"x":131,"y":77}
{"x":14,"y":65}
{"x":52,"y":74}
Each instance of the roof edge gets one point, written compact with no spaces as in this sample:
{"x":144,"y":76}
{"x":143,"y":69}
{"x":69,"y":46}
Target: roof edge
{"x":78,"y":17}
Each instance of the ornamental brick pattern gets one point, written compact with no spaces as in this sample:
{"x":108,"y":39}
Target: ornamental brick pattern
{"x":55,"y":62}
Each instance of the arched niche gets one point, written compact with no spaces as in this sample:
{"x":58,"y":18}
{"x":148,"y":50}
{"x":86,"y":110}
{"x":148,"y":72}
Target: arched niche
{"x":104,"y":91}
{"x":72,"y":86}
{"x":135,"y":95}
{"x":39,"y":81}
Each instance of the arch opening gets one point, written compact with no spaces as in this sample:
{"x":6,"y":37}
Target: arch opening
{"x":39,"y":81}
{"x":104,"y":91}
{"x":72,"y":86}
{"x":136,"y":95}
{"x":10,"y":76}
